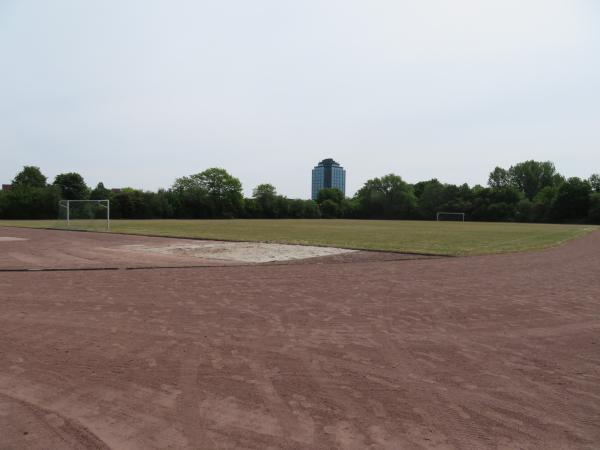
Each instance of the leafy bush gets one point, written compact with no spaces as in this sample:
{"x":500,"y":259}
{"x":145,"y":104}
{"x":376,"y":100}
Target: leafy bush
{"x":594,"y":212}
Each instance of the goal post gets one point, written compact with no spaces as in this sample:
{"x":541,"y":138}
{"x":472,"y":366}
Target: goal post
{"x":453,"y":216}
{"x":84,"y":214}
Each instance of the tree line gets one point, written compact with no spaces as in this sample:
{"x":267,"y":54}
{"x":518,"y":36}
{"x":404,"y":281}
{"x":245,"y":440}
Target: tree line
{"x":530,"y":191}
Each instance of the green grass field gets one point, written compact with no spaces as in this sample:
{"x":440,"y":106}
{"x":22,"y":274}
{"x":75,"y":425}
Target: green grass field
{"x":444,"y":238}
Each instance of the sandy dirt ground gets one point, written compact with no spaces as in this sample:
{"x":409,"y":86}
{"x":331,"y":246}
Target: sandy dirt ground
{"x":248,"y":252}
{"x":22,"y":248}
{"x":52,"y":249}
{"x":498,"y":352}
{"x":33,"y":249}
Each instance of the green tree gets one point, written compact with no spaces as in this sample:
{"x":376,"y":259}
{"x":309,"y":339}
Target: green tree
{"x":495,"y":204}
{"x":349,"y":208}
{"x":30,"y":176}
{"x":594,"y":181}
{"x":532,"y":176}
{"x":220,"y":192}
{"x":433,"y":196}
{"x":266,"y":198}
{"x":542,"y":204}
{"x":160,"y":204}
{"x":190,"y":199}
{"x":525,"y":211}
{"x":3,"y":204}
{"x":430,"y":198}
{"x":594,"y":212}
{"x":458,"y":198}
{"x":572,"y":201}
{"x":333,"y":194}
{"x":387,"y":197}
{"x":264,"y":190}
{"x":24,"y":202}
{"x":296,"y":208}
{"x":499,"y":178}
{"x":329,"y":209}
{"x":100,"y":192}
{"x":282,"y":206}
{"x":30,"y":197}
{"x":130,"y":203}
{"x":72,"y":186}
{"x":251,"y":209}
{"x":311,"y":210}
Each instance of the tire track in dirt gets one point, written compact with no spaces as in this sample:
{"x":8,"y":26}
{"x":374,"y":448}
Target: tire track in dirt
{"x":195,"y":426}
{"x":51,"y":429}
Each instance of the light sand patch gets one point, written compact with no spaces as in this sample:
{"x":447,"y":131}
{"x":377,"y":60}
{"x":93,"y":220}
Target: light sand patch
{"x":11,"y":239}
{"x":252,"y":252}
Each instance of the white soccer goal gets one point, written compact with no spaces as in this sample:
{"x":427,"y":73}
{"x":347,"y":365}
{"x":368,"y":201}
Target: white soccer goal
{"x":457,"y":217}
{"x":84,"y":214}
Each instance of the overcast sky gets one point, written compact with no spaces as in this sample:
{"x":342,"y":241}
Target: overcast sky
{"x":137,"y":93}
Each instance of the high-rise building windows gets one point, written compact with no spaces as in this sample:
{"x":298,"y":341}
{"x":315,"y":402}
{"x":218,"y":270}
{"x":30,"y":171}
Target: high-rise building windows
{"x":328,"y":174}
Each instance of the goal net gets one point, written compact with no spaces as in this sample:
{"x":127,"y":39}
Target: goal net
{"x":84,"y":214}
{"x":452,"y":216}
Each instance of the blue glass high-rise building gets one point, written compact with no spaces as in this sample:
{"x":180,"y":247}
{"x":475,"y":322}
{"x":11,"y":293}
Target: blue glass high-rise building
{"x":328,"y":174}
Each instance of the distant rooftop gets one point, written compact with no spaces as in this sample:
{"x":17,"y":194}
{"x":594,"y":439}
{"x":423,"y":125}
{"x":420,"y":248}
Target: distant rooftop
{"x":329,"y":162}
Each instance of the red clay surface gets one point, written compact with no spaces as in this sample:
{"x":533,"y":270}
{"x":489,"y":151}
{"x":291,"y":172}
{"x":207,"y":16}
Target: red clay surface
{"x":35,"y":249}
{"x":54,"y":249}
{"x":484,"y":352}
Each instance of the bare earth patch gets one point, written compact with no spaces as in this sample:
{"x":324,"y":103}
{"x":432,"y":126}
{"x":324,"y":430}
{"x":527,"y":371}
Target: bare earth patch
{"x":489,"y":352}
{"x":31,"y":249}
{"x":249,"y":252}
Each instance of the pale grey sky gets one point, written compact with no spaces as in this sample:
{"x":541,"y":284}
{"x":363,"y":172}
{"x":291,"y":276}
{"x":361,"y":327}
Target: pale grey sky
{"x":137,"y":93}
